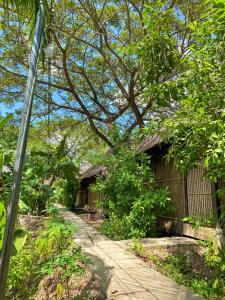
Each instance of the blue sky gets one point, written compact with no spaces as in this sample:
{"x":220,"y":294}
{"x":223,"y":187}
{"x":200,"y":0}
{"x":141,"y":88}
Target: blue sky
{"x":5,"y":109}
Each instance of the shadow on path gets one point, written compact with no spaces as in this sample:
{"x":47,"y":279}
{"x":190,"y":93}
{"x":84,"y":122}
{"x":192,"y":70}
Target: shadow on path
{"x":120,"y":274}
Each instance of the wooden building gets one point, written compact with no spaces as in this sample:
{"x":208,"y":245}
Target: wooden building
{"x":85,"y":197}
{"x":191,"y":195}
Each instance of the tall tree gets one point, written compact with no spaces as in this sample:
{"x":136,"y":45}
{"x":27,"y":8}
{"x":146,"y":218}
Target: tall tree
{"x":96,"y":72}
{"x":196,"y":129}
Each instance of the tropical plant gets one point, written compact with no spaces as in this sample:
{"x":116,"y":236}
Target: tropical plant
{"x":52,"y":248}
{"x":4,"y":180}
{"x":131,"y":198}
{"x":46,"y":173}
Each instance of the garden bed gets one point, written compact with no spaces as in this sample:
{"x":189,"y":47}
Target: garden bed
{"x":200,"y":267}
{"x":51,"y":265}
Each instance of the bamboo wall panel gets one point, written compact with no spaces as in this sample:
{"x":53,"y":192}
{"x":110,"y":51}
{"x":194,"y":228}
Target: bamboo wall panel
{"x":93,"y":197}
{"x":199,"y":193}
{"x":166,"y":176}
{"x":80,"y":198}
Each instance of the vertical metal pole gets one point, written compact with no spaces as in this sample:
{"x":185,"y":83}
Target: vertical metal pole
{"x":21,"y":151}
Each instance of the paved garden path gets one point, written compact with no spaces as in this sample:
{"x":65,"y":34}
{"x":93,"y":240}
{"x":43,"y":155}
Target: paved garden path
{"x":121,"y":274}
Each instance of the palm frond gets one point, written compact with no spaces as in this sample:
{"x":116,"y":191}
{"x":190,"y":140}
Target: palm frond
{"x":26,"y":9}
{"x":29,"y":6}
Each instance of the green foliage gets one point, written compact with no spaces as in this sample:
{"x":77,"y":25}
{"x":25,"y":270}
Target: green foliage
{"x":202,"y":219}
{"x":196,"y":129}
{"x":6,"y":154}
{"x":5,"y":179}
{"x":53,"y":212}
{"x":70,"y":263}
{"x":137,"y":247}
{"x":116,"y":228}
{"x":131,"y":197}
{"x":19,"y":239}
{"x":158,"y":49}
{"x":179,"y":267}
{"x":165,"y":45}
{"x":185,"y":68}
{"x":52,"y":247}
{"x":47,"y":173}
{"x":64,"y":192}
{"x":20,"y":235}
{"x":55,"y":237}
{"x":23,"y":271}
{"x":215,"y":258}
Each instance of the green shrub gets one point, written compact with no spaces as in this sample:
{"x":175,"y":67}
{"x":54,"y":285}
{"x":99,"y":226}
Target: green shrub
{"x":64,"y":192}
{"x":131,"y":198}
{"x":115,"y":228}
{"x":23,"y":272}
{"x":179,"y":268}
{"x":50,"y":175}
{"x":52,"y":211}
{"x":54,"y":239}
{"x":41,"y":255}
{"x":70,"y":263}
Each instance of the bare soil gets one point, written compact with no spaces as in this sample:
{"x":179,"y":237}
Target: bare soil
{"x":31,"y":223}
{"x":194,"y":254}
{"x":54,"y":287}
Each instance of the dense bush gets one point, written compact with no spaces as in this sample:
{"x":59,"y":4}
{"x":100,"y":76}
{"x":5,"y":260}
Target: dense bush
{"x":131,"y":198}
{"x":64,"y":192}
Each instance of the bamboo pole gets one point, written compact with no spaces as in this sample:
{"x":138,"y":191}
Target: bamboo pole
{"x":21,"y":151}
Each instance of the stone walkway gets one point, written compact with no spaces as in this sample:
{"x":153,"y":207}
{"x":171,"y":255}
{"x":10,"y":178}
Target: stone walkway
{"x":121,"y":274}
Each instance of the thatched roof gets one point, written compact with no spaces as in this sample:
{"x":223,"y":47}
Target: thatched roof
{"x":150,"y":142}
{"x":92,"y":171}
{"x":147,"y":144}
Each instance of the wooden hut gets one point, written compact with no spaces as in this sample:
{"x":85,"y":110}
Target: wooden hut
{"x":85,"y":197}
{"x":191,"y":195}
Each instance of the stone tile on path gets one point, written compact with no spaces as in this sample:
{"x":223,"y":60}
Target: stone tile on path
{"x":136,"y":296}
{"x":121,"y":274}
{"x":160,"y":242}
{"x":180,"y":295}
